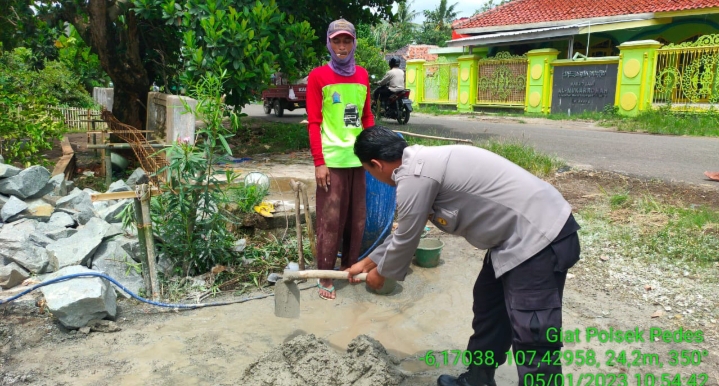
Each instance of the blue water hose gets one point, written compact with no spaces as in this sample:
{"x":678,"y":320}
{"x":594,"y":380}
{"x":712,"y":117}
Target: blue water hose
{"x":381,"y":237}
{"x":133,"y":295}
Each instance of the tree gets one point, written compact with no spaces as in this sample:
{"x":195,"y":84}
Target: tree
{"x":491,"y":4}
{"x":392,"y":35}
{"x":442,"y":16}
{"x":371,"y":59}
{"x":20,"y":28}
{"x":321,"y":13}
{"x":437,"y":27}
{"x":406,"y":30}
{"x":251,"y":43}
{"x":77,"y":56}
{"x":27,"y":126}
{"x":405,"y":14}
{"x":141,"y":42}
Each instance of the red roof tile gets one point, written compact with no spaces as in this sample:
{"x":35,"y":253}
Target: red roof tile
{"x":416,"y":51}
{"x":538,"y":11}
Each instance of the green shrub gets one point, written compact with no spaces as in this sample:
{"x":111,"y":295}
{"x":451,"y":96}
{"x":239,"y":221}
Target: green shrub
{"x":191,"y":216}
{"x":27,"y":126}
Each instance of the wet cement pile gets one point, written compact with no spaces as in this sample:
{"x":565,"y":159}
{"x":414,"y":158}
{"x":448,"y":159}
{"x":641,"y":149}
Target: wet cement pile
{"x":306,"y":360}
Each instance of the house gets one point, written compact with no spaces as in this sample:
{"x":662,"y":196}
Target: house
{"x":413,"y":51}
{"x":589,"y":27}
{"x":573,"y":56}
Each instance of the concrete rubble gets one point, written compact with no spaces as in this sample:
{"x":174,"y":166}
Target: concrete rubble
{"x":12,"y":207}
{"x":8,"y":171}
{"x":138,"y":177}
{"x":118,"y":186}
{"x":12,"y":275}
{"x":111,"y":259}
{"x":76,"y":302}
{"x":79,"y":248}
{"x":79,"y":205}
{"x":49,"y":229}
{"x":26,"y":183}
{"x":16,"y":246}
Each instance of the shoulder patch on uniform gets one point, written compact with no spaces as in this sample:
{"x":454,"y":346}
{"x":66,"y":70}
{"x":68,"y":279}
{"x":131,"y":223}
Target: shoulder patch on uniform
{"x":418,"y":167}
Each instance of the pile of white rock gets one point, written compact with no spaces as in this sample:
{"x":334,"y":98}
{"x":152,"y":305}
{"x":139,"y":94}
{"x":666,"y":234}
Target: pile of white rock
{"x":50,"y":229}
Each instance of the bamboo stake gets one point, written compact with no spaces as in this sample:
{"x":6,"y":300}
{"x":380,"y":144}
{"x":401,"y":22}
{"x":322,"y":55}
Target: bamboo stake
{"x":108,"y":167}
{"x":143,"y":245}
{"x":298,"y":224}
{"x":149,"y":240}
{"x":308,"y":218}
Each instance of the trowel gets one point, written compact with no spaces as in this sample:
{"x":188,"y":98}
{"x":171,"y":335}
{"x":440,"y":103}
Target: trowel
{"x":287,"y":294}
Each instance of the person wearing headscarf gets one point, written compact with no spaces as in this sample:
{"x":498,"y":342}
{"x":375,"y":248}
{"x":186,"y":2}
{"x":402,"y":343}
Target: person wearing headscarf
{"x":338,"y":109}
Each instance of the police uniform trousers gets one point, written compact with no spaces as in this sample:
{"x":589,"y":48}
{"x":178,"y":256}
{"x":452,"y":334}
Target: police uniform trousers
{"x":519,"y":307}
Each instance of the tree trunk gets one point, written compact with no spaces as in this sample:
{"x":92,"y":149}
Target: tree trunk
{"x":119,"y":50}
{"x":127,"y":108}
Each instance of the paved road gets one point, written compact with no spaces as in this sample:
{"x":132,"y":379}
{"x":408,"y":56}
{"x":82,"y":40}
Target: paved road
{"x":580,"y":144}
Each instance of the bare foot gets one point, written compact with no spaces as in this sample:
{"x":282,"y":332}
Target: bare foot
{"x":712,"y":175}
{"x":327,"y":290}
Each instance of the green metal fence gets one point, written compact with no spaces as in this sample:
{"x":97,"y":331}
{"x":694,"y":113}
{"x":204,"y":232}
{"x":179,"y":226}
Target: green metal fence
{"x":688,"y":73}
{"x":502,"y":80}
{"x":441,"y":82}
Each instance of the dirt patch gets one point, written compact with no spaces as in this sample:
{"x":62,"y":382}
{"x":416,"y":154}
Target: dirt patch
{"x":307,"y":360}
{"x":583,"y":187}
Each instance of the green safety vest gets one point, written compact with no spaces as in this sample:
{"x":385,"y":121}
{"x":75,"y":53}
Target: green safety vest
{"x":342,"y":106}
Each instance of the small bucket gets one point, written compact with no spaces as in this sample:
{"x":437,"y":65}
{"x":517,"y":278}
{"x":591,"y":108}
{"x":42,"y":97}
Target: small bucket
{"x":387,"y":288}
{"x":428,"y":252}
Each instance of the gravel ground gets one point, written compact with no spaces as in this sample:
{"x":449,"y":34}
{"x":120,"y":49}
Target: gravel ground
{"x":681,"y":291}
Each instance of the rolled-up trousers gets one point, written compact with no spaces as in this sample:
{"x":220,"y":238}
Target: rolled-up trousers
{"x":516,"y":310}
{"x":341,"y":213}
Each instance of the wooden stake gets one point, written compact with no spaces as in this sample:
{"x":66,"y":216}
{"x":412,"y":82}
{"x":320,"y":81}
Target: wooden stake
{"x":149,"y":239}
{"x":116,"y":195}
{"x":433,"y":137}
{"x":308,"y":218}
{"x":298,"y":224}
{"x":143,"y":245}
{"x":108,"y":167}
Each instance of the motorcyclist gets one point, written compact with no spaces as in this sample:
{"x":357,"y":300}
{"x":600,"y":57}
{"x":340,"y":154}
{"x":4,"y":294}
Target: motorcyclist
{"x":392,"y":81}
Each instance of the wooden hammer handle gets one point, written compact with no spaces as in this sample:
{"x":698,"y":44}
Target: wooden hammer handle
{"x":320,"y":274}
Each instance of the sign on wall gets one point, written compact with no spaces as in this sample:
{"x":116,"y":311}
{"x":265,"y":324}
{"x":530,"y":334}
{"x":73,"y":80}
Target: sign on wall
{"x":589,"y":87}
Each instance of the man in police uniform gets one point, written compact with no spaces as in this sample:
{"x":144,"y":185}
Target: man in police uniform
{"x":524,"y":223}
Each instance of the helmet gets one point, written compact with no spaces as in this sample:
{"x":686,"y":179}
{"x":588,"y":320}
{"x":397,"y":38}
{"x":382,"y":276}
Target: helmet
{"x":393,"y":62}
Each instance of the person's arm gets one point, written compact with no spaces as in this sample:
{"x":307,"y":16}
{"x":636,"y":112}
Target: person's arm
{"x":314,"y":117}
{"x":415,"y":196}
{"x":386,"y":79}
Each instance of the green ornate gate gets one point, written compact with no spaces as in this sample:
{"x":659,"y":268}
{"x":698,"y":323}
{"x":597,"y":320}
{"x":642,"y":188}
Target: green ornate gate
{"x":502,"y":80}
{"x":688,"y":72}
{"x":441,"y":81}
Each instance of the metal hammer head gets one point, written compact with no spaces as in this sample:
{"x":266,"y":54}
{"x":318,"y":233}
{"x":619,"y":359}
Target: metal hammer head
{"x":287,"y":299}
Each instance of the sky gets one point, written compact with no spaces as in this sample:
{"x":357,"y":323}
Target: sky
{"x":465,"y":7}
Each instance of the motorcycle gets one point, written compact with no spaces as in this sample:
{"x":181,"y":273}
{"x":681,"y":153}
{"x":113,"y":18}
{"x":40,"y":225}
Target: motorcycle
{"x":397,"y":106}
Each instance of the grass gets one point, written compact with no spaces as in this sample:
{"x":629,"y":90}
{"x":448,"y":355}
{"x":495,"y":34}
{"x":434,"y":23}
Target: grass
{"x":657,"y":121}
{"x":645,"y":228}
{"x":257,"y":136}
{"x":527,"y":157}
{"x":436,"y":110}
{"x":246,"y":197}
{"x":663,"y":121}
{"x":263,"y":255}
